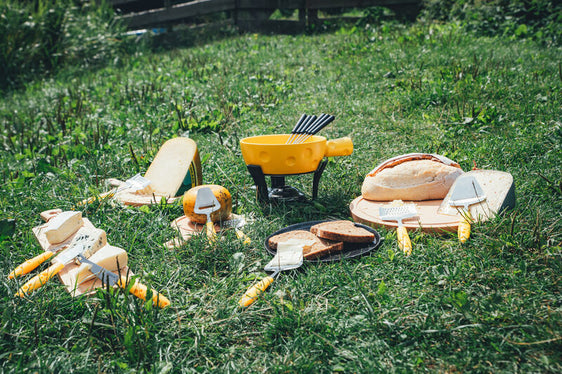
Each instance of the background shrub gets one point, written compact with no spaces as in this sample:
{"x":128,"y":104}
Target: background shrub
{"x":38,"y":37}
{"x":539,"y":19}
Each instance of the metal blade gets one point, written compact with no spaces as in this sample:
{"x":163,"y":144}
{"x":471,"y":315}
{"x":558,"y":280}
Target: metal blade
{"x":70,"y":253}
{"x":106,"y":276}
{"x":206,"y":202}
{"x":467,"y":191}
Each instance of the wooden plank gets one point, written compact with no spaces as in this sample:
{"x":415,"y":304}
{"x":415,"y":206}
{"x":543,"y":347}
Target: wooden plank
{"x":122,"y":2}
{"x":204,"y":7}
{"x":175,"y":12}
{"x":320,"y":4}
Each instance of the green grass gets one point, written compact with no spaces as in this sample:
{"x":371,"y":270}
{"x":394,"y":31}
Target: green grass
{"x":492,"y":305}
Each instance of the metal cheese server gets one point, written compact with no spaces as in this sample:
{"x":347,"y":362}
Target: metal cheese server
{"x":283,"y":260}
{"x":138,"y":289}
{"x":206,"y":203}
{"x":59,"y":262}
{"x":466,"y":192}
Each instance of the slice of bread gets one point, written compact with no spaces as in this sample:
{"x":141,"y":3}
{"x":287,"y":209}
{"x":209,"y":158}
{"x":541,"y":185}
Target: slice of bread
{"x":342,"y":230}
{"x":321,"y":247}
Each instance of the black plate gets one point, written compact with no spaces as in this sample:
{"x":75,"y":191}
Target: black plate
{"x":350,"y":250}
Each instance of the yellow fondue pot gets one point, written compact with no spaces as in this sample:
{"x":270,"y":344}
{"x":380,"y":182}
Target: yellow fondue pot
{"x":277,"y":158}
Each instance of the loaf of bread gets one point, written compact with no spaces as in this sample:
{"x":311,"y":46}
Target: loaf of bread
{"x":414,"y":176}
{"x":321,"y":247}
{"x":342,"y":230}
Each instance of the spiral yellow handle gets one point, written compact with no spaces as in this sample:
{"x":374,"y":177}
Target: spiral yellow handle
{"x":253,"y":292}
{"x":30,"y":264}
{"x":464,"y":228}
{"x":404,"y":240}
{"x":139,"y":290}
{"x":39,"y":280}
{"x":240,"y":234}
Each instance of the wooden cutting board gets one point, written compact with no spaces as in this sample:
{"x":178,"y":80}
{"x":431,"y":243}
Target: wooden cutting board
{"x":132,"y":199}
{"x":367,"y":212}
{"x":66,"y":274}
{"x":437,"y":215}
{"x":186,"y":228}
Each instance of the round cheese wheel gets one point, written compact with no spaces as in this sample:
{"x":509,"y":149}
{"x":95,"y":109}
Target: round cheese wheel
{"x":223,"y":196}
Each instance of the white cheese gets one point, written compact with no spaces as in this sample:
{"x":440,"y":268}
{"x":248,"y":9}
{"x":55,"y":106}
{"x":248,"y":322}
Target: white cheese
{"x":64,"y":224}
{"x":289,"y":252}
{"x":109,"y":257}
{"x":91,"y":238}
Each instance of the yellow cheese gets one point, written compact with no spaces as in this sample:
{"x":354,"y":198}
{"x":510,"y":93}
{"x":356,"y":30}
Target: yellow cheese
{"x":64,"y":224}
{"x":176,"y":168}
{"x":109,"y":257}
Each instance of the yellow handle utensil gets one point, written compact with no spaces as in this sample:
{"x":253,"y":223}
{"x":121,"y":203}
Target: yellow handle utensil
{"x":39,"y":280}
{"x":30,"y":264}
{"x":255,"y":291}
{"x":207,"y":203}
{"x":464,"y":227}
{"x":245,"y":238}
{"x":140,"y":290}
{"x":399,"y":213}
{"x":466,"y":191}
{"x":404,"y":240}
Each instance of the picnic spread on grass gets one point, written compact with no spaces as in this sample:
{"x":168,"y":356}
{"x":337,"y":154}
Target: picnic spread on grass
{"x":414,"y":191}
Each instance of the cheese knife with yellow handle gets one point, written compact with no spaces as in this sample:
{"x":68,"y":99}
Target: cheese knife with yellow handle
{"x":31,"y":264}
{"x":59,"y":263}
{"x":289,"y":256}
{"x":466,"y":192}
{"x":138,"y":289}
{"x":86,"y":242}
{"x":206,"y":203}
{"x":399,"y":213}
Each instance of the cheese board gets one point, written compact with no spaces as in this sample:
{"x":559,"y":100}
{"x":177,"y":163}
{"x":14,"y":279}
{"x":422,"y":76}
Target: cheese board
{"x":128,"y":198}
{"x":440,"y":215}
{"x":187,"y":228}
{"x":67,"y":275}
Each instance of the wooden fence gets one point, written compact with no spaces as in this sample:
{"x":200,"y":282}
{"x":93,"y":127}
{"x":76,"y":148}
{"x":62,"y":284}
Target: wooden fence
{"x":246,"y":14}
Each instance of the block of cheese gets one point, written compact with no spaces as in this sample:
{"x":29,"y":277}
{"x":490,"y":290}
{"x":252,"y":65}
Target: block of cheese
{"x":176,"y":168}
{"x":290,"y":252}
{"x":109,"y":257}
{"x":93,"y":239}
{"x":60,"y":227}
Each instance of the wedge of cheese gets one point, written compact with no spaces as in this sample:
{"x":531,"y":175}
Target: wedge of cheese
{"x":91,"y":238}
{"x":176,"y":168}
{"x":109,"y":257}
{"x":64,"y":224}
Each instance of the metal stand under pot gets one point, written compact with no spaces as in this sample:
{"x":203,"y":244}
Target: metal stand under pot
{"x":279,"y":191}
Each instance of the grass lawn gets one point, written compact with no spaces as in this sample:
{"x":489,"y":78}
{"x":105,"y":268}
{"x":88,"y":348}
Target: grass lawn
{"x":491,"y":305}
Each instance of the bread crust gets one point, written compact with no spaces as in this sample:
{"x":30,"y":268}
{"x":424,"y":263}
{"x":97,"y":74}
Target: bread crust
{"x":420,"y":179}
{"x":320,"y":248}
{"x":342,"y":230}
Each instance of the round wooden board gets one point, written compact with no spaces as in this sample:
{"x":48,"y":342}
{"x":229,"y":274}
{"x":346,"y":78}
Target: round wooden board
{"x":428,"y":219}
{"x":186,"y":228}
